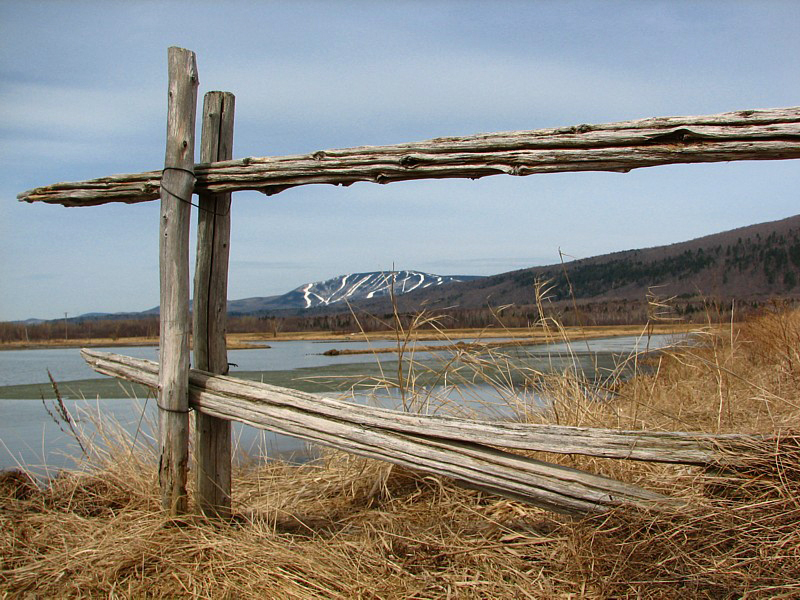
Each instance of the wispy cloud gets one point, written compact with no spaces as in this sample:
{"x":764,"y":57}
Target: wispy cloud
{"x":66,"y":110}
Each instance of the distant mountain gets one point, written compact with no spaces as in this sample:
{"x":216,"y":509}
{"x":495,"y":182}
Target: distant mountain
{"x":333,"y":294}
{"x":751,"y":263}
{"x":354,"y":288}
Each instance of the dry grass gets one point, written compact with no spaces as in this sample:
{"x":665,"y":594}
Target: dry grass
{"x":346,"y":527}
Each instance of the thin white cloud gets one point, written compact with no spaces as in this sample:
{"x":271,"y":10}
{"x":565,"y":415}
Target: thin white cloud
{"x":467,"y":86}
{"x":57,"y":110}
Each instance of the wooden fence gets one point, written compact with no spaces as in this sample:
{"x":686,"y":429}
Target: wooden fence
{"x":465,"y":450}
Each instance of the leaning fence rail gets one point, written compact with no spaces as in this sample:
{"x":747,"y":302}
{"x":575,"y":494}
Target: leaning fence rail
{"x":466,"y":450}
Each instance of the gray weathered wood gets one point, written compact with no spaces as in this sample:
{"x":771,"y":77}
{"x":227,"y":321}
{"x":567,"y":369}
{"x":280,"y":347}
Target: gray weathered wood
{"x":652,"y":446}
{"x":551,"y":486}
{"x":445,"y":445}
{"x":176,"y":192}
{"x":772,"y":134}
{"x":212,"y":434}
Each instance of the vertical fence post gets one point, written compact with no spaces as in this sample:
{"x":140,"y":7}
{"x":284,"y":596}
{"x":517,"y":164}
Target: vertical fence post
{"x":212,"y":434}
{"x":177,"y":185}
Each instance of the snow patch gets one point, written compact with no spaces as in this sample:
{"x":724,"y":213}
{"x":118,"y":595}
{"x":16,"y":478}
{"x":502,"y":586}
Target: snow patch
{"x":355,"y":286}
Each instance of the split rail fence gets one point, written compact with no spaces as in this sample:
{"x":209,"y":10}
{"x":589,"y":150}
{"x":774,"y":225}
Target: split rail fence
{"x":466,"y":450}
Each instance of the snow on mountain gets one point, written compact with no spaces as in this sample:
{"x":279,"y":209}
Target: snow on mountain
{"x":363,"y":286}
{"x":354,"y":288}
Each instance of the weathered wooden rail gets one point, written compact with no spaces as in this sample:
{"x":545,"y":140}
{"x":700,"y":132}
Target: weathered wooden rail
{"x":652,"y":446}
{"x":742,"y":135}
{"x":463,"y":449}
{"x":468,"y":451}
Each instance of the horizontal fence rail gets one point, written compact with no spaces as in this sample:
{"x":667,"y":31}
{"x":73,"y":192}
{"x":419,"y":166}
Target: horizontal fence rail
{"x":448,"y":446}
{"x":772,"y":134}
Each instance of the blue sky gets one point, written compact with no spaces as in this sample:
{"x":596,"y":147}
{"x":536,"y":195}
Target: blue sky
{"x":83,"y":94}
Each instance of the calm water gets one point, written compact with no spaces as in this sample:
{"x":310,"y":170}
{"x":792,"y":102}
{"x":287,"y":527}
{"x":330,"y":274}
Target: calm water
{"x":31,"y":437}
{"x":30,"y":366}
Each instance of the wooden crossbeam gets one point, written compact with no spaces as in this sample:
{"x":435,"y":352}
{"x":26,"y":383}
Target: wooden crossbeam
{"x":459,"y":448}
{"x":772,"y":134}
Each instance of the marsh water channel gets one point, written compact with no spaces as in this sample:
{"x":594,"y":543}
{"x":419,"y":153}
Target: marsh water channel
{"x":488,"y":384}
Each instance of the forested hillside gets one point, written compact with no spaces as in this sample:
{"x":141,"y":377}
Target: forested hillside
{"x":746,"y":267}
{"x":773,"y":261}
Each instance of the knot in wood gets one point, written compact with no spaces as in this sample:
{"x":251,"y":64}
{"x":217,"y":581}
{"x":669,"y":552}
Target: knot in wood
{"x":409,"y":161}
{"x":676,"y":136}
{"x":319,"y":155}
{"x":583,"y":128}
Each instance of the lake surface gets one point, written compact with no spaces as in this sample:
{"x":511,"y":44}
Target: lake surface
{"x":33,"y":435}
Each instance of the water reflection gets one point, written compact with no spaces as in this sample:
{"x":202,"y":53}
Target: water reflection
{"x":495,"y":384}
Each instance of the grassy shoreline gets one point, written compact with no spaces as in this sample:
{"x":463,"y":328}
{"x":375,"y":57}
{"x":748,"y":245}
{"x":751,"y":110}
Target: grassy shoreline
{"x":345,"y":527}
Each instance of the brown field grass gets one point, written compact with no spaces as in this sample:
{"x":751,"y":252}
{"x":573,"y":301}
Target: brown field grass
{"x":346,"y":527}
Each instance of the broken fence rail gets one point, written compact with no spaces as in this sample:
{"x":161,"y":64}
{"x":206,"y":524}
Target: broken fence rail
{"x":457,"y":448}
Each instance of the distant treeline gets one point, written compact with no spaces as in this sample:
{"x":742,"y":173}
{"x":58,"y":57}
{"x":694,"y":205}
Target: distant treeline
{"x":79,"y":329}
{"x":567,"y":313}
{"x":616,"y":312}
